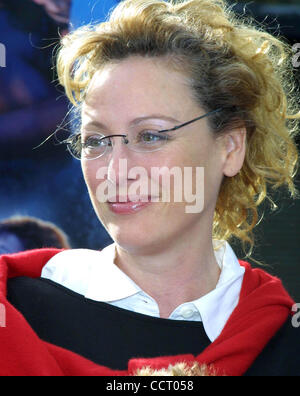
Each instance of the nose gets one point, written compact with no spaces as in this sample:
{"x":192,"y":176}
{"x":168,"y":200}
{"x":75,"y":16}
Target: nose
{"x":119,"y":161}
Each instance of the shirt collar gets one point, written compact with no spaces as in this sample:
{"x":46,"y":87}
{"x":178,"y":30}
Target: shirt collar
{"x":108,"y":283}
{"x":216,"y":307}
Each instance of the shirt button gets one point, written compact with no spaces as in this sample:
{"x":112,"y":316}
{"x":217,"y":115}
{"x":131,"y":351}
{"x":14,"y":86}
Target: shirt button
{"x":187,"y":313}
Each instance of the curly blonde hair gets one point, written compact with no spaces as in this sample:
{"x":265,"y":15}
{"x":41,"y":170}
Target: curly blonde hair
{"x":232,"y":63}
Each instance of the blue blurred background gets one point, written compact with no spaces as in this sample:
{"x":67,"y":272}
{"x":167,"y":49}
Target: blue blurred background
{"x":46,"y":182}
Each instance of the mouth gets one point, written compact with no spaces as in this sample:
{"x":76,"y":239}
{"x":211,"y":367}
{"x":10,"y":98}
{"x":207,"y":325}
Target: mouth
{"x":129,"y":205}
{"x":132,"y":199}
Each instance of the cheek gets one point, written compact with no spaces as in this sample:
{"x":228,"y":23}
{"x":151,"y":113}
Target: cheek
{"x":201,"y":176}
{"x":167,"y":175}
{"x":90,"y":171}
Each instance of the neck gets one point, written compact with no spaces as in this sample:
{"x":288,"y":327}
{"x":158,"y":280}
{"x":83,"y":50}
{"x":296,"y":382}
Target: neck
{"x":181,"y":272}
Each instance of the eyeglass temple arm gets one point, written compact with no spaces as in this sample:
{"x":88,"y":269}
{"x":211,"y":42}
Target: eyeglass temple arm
{"x":70,"y":140}
{"x":190,"y":122}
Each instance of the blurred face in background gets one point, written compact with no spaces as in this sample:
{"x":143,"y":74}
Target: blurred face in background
{"x":10,"y":243}
{"x":59,"y":10}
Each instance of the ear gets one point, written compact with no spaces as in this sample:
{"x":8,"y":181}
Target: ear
{"x":234,"y":151}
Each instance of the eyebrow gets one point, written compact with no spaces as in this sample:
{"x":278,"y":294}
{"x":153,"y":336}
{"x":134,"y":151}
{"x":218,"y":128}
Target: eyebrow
{"x":136,"y":121}
{"x":154,"y":116}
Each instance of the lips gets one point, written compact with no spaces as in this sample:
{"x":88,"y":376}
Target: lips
{"x":129,"y":205}
{"x":131,"y":199}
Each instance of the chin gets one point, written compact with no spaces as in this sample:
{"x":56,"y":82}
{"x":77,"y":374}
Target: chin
{"x":132,"y":236}
{"x":138,"y":240}
{"x":145,"y":232}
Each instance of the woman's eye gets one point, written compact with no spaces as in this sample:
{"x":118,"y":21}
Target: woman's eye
{"x":94,"y":141}
{"x":150,"y":136}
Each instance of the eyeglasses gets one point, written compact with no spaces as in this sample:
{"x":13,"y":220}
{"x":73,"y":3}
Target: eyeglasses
{"x":138,"y":139}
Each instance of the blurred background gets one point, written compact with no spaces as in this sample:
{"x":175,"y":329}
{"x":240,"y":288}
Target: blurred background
{"x":46,"y":183}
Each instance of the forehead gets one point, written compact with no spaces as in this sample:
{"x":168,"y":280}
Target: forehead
{"x":138,"y":86}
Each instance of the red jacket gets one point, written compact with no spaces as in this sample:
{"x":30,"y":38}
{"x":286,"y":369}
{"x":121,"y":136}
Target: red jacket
{"x":264,"y":306}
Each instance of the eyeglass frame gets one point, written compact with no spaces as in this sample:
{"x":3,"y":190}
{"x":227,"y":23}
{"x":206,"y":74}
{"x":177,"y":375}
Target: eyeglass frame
{"x":69,"y":141}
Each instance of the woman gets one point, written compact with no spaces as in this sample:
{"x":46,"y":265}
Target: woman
{"x":182,"y":85}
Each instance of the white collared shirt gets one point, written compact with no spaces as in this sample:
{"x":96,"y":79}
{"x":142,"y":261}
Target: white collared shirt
{"x":94,"y":275}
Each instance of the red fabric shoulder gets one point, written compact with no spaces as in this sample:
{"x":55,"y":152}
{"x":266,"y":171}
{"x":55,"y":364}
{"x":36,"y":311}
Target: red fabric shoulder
{"x":22,"y":352}
{"x":29,"y":263}
{"x":263,"y":308}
